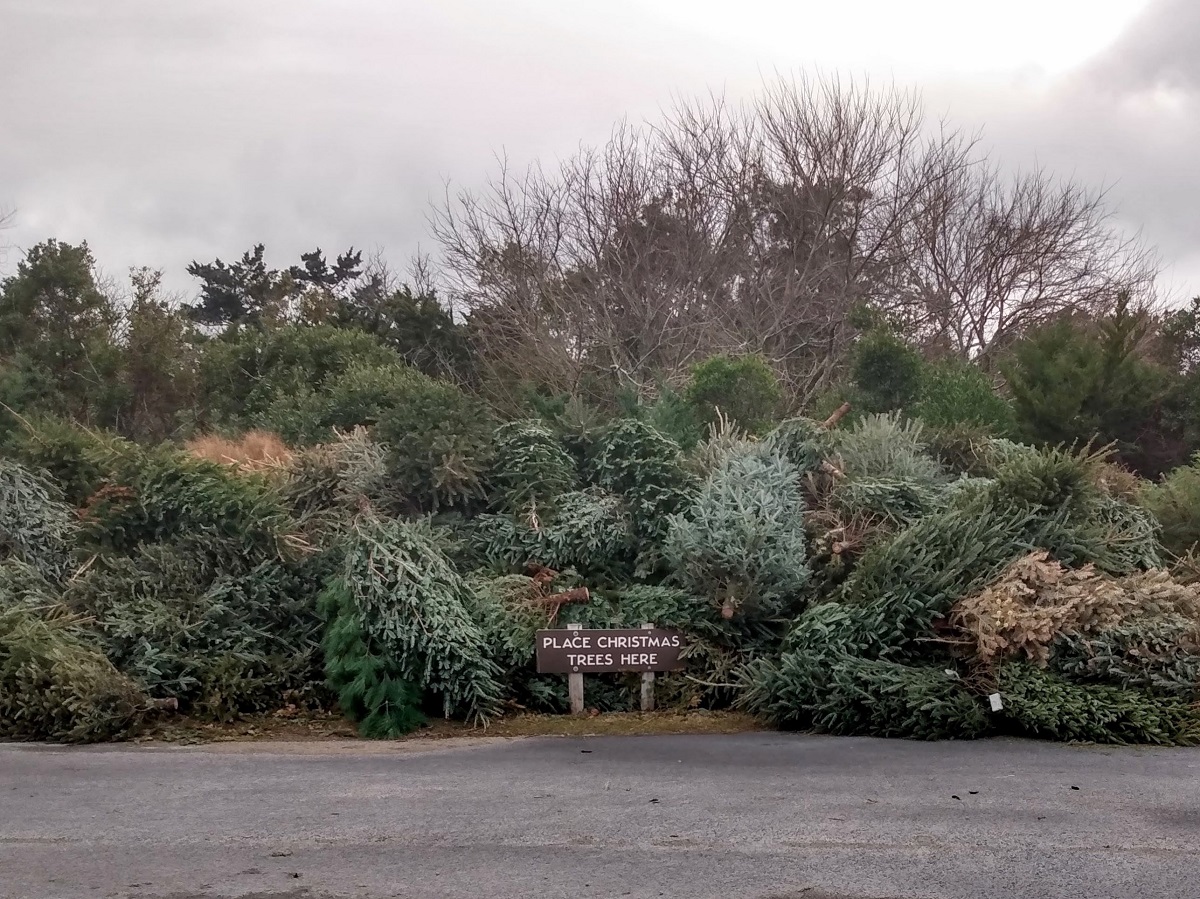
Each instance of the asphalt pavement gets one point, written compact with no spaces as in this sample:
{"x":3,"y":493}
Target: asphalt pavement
{"x":762,"y":816}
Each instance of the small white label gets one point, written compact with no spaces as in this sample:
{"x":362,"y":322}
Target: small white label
{"x":994,"y":699}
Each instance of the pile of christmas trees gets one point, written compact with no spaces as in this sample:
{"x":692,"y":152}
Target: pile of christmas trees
{"x":861,"y":578}
{"x":1028,"y":600}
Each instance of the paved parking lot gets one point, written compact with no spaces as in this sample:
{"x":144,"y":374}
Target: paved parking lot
{"x":751,"y":815}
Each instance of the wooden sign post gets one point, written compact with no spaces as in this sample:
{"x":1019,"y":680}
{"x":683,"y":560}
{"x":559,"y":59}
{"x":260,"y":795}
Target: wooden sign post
{"x":648,"y":682}
{"x":575,"y":651}
{"x":575,"y":682}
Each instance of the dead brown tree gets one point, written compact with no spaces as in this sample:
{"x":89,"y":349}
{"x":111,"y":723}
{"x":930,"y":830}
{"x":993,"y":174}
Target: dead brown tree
{"x":762,"y":227}
{"x":989,"y":256}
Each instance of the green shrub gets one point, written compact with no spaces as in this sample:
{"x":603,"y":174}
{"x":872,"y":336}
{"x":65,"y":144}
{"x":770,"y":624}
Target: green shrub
{"x":956,"y":395}
{"x":364,"y":393}
{"x":887,"y":372}
{"x":1175,"y":503}
{"x":282,"y":376}
{"x":745,"y":389}
{"x":673,"y":415}
{"x":360,"y":395}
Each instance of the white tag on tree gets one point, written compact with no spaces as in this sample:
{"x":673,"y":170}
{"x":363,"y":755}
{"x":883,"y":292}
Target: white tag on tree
{"x":994,"y":699}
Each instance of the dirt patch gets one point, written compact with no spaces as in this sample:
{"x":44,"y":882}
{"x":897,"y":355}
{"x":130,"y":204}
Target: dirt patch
{"x":302,"y":728}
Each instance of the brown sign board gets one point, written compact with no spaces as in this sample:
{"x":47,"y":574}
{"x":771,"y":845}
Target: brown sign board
{"x":563,"y":651}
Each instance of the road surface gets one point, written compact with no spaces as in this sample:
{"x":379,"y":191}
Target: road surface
{"x":762,"y":816}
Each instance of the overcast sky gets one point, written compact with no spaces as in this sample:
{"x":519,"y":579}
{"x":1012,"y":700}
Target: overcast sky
{"x":166,"y":130}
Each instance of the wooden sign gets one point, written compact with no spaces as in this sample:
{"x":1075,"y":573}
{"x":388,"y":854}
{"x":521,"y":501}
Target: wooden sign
{"x":580,"y":651}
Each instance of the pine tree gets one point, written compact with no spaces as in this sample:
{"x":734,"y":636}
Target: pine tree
{"x":741,"y":541}
{"x":371,"y":688}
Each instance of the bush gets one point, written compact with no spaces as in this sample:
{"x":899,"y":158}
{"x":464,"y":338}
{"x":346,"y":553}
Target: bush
{"x":958,"y":395}
{"x":743,"y":388}
{"x":364,"y":393}
{"x":1175,"y":503}
{"x":281,"y":377}
{"x":742,"y":542}
{"x":887,"y":372}
{"x":360,"y":395}
{"x":1073,"y":383}
{"x":673,"y":415}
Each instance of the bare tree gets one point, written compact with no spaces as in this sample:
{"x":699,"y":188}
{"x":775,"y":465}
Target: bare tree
{"x":989,"y":257}
{"x":763,"y":227}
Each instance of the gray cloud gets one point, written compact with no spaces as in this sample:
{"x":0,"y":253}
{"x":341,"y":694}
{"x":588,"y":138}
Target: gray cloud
{"x":162,"y":132}
{"x":1129,"y":119}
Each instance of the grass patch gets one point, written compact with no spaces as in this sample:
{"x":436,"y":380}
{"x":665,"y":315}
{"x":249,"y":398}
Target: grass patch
{"x":317,"y":728}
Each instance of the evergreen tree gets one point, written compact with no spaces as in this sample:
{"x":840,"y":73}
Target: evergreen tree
{"x":57,"y":330}
{"x":242,"y":292}
{"x":887,"y":372}
{"x":1071,"y":385}
{"x":742,"y":540}
{"x":415,"y":325}
{"x":744,"y":389}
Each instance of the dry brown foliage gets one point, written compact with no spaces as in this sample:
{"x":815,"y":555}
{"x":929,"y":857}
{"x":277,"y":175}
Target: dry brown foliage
{"x":1118,"y":482}
{"x":1036,"y":600}
{"x":252,"y":451}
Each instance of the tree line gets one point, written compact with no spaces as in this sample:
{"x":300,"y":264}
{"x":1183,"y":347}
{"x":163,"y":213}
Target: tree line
{"x":825,"y":242}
